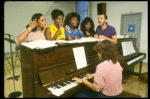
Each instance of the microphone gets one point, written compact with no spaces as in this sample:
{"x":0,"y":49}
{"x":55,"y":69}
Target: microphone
{"x":9,"y":35}
{"x":6,"y":34}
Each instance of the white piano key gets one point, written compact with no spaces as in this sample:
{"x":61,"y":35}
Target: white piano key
{"x":135,"y":59}
{"x":55,"y":91}
{"x":61,"y":90}
{"x":68,"y":86}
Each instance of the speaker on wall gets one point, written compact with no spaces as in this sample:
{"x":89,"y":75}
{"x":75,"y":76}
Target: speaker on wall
{"x":101,"y":8}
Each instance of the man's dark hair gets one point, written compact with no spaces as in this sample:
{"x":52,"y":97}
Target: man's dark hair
{"x":69,"y":16}
{"x":85,"y":21}
{"x":107,"y":50}
{"x":105,"y":17}
{"x":55,"y":13}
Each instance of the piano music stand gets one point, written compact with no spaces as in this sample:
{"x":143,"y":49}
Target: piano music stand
{"x":13,"y":94}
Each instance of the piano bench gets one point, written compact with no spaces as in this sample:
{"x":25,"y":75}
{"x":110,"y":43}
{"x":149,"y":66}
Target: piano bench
{"x":144,"y":77}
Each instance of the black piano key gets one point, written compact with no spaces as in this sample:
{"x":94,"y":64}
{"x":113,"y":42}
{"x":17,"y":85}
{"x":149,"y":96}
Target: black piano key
{"x":62,"y":84}
{"x":65,"y":83}
{"x":56,"y":86}
{"x":68,"y":82}
{"x":59,"y":87}
{"x":72,"y":81}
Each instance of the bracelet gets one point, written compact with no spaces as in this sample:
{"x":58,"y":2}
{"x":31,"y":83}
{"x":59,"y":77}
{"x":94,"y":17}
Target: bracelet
{"x":29,"y":28}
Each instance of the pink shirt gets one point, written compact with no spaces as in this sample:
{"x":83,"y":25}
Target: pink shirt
{"x":108,"y":78}
{"x":33,"y":36}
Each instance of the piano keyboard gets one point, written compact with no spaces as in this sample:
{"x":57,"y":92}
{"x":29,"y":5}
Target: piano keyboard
{"x":135,"y":59}
{"x":59,"y":89}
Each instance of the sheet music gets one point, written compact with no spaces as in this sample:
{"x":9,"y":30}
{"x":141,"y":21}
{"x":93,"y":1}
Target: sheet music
{"x":120,"y":36}
{"x":39,"y":44}
{"x":80,"y":58}
{"x":83,"y":39}
{"x":46,"y":43}
{"x":127,"y":48}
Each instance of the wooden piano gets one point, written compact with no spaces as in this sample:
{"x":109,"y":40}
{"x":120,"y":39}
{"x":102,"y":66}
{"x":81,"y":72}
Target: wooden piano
{"x":129,"y":60}
{"x":50,"y":67}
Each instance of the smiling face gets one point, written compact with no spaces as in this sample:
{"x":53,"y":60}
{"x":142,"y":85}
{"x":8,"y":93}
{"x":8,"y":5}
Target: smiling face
{"x":87,"y":26}
{"x":59,"y":20}
{"x":42,"y":22}
{"x":102,"y":20}
{"x":73,"y":22}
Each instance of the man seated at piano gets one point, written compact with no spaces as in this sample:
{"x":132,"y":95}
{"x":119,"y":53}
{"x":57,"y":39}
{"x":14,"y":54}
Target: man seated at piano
{"x":55,"y":32}
{"x":71,"y":24}
{"x":108,"y":76}
{"x":105,"y":31}
{"x":33,"y":30}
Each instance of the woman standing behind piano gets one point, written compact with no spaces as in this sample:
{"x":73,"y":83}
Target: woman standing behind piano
{"x":33,"y":31}
{"x":87,"y":27}
{"x":71,"y":25}
{"x":55,"y":32}
{"x":108,"y":76}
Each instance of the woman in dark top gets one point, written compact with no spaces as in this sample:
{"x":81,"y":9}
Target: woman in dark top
{"x":87,"y":27}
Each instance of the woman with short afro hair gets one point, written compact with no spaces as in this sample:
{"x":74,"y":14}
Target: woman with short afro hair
{"x":55,"y":32}
{"x":71,"y":25}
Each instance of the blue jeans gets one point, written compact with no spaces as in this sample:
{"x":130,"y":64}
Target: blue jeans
{"x":94,"y":95}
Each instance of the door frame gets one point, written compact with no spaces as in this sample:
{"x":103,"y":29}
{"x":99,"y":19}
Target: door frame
{"x":121,"y":33}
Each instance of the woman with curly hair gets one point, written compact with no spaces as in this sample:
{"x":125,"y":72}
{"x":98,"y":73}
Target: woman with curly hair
{"x":108,"y":76}
{"x":55,"y":32}
{"x":71,"y":24}
{"x":87,"y":27}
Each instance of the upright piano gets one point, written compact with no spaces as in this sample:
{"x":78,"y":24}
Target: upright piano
{"x":54,"y":67}
{"x":49,"y":67}
{"x":130,"y":60}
